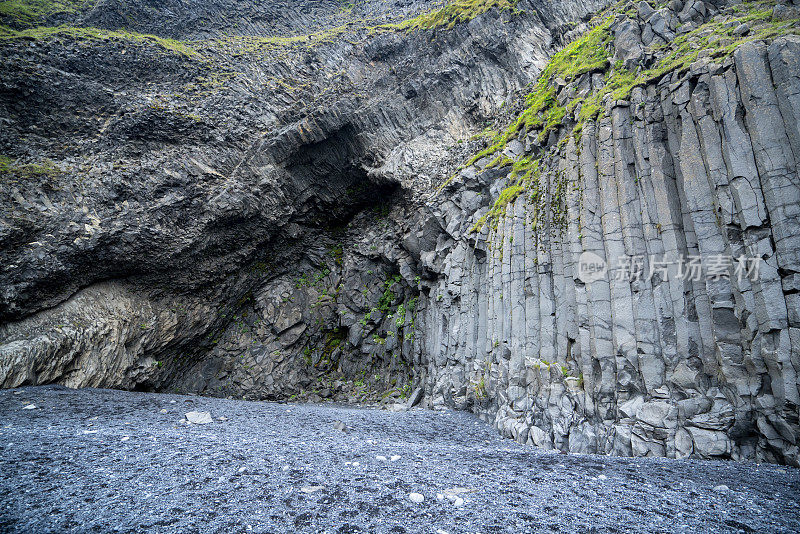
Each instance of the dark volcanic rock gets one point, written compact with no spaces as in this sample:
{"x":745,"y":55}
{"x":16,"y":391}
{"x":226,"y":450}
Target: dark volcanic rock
{"x":270,"y":200}
{"x":103,"y":460}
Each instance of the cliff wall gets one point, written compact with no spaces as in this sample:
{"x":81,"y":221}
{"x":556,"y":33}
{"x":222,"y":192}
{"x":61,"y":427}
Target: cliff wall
{"x":358,"y":212}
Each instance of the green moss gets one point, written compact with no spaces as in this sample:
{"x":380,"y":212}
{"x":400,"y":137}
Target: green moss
{"x":30,"y":12}
{"x":246,"y":44}
{"x":388,"y":295}
{"x":452,"y":13}
{"x":586,"y":54}
{"x":337,"y":251}
{"x":714,"y":37}
{"x":400,"y":316}
{"x":229,"y":45}
{"x":592,"y":52}
{"x":524,"y":170}
{"x":182,"y":48}
{"x":30,"y":170}
{"x":488,"y":151}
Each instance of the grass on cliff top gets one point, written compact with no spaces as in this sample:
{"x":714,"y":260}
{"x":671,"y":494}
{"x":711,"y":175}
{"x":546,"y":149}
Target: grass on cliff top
{"x":183,"y":48}
{"x":30,"y":12}
{"x":452,"y":13}
{"x":714,"y":37}
{"x":238,"y":44}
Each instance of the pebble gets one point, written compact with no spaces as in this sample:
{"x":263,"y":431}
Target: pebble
{"x":395,"y":457}
{"x":416,"y":497}
{"x":721,"y":487}
{"x":457,"y":462}
{"x":29,"y":407}
{"x":126,"y":438}
{"x":163,"y":410}
{"x":741,"y":29}
{"x":602,"y":477}
{"x":338,"y":425}
{"x":380,"y":458}
{"x":199,"y":418}
{"x":311,"y":489}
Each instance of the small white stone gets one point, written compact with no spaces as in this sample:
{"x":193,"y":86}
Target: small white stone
{"x":163,"y":410}
{"x":285,"y":468}
{"x":311,"y":489}
{"x":416,"y":497}
{"x":380,"y":458}
{"x":439,"y":497}
{"x":459,"y":502}
{"x":395,"y":457}
{"x":721,"y":487}
{"x":440,"y":531}
{"x":602,"y":477}
{"x":90,"y":431}
{"x":29,"y":407}
{"x":242,"y":469}
{"x":126,"y":438}
{"x":199,"y":418}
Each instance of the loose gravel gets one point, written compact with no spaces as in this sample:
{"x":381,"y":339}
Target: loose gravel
{"x":96,"y":460}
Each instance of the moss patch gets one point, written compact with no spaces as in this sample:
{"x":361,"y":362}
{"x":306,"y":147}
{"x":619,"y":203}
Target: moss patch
{"x":592,"y":53}
{"x":31,"y":12}
{"x":526,"y":172}
{"x":452,"y":13}
{"x":30,"y":170}
{"x":183,"y":48}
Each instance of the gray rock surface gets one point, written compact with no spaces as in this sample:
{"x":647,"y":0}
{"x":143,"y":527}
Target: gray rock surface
{"x":656,"y":366}
{"x":248,"y":215}
{"x":283,"y":468}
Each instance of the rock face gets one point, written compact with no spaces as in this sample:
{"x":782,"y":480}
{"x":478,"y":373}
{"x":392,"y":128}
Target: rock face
{"x":700,"y":163}
{"x":264,"y":216}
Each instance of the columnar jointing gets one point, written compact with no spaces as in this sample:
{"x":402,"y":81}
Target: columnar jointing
{"x":702,"y":164}
{"x":266,"y":206}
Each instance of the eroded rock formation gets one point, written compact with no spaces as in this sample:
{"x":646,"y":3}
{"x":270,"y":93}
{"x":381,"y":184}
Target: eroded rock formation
{"x":226,"y":210}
